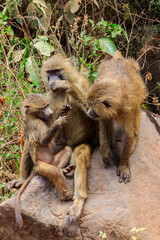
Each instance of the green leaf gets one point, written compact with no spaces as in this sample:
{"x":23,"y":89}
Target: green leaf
{"x":12,"y":7}
{"x":32,"y":69}
{"x":43,"y":38}
{"x":15,"y":148}
{"x":13,"y":120}
{"x":41,"y":5}
{"x":67,"y":12}
{"x":17,"y":55}
{"x":75,"y":4}
{"x":44,"y":48}
{"x":107,"y":45}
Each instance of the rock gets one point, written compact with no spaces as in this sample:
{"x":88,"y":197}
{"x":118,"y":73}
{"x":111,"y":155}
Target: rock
{"x":112,"y":207}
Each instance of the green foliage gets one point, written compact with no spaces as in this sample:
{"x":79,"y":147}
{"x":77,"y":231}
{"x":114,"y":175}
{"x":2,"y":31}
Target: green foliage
{"x":2,"y":195}
{"x":94,"y":47}
{"x":107,"y":45}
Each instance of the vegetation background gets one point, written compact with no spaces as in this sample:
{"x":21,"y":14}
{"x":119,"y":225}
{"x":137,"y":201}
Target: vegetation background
{"x":86,"y":30}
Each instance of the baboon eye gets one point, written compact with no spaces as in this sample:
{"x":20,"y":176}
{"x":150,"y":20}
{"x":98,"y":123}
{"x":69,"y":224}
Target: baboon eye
{"x":106,"y":103}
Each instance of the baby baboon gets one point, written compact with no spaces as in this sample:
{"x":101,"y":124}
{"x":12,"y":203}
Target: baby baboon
{"x":42,"y":138}
{"x":66,"y":85}
{"x":117,"y":95}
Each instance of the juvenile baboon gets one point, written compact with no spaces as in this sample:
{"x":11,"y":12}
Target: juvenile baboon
{"x":65,"y":85}
{"x":42,"y":138}
{"x":117,"y":96}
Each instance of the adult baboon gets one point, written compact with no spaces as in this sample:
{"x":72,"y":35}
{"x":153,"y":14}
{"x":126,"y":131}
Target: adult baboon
{"x":65,"y":85}
{"x":117,"y":96}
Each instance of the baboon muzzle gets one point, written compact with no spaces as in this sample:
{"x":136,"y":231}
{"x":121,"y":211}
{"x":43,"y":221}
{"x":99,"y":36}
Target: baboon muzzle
{"x":92,"y":113}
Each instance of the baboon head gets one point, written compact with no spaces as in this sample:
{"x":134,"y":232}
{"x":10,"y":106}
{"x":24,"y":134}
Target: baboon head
{"x":37,"y":105}
{"x":103,"y":100}
{"x":57,"y":67}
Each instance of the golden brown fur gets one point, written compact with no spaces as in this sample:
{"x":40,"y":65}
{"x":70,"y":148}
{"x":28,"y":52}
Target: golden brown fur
{"x":72,"y":88}
{"x":117,"y":95}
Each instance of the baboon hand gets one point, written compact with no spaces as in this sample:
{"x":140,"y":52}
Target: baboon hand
{"x":61,"y":120}
{"x":124,"y":174}
{"x":60,"y":85}
{"x":66,"y":108}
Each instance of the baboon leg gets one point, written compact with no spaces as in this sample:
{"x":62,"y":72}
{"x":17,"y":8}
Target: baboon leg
{"x":82,"y":155}
{"x":107,"y":138}
{"x":124,"y":170}
{"x":55,"y":175}
{"x":64,"y":157}
{"x":26,"y":166}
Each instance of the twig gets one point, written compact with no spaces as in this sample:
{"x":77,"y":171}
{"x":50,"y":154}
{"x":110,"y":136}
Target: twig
{"x":66,"y":32}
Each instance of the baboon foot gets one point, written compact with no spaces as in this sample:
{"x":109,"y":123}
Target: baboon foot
{"x":68,"y":169}
{"x":107,"y":160}
{"x":75,"y":210}
{"x":124,"y":174}
{"x":68,"y":195}
{"x":16,"y":183}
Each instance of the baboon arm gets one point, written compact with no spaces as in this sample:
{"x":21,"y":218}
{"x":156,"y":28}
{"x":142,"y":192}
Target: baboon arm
{"x":74,"y":91}
{"x":53,"y":131}
{"x":80,"y":97}
{"x":42,"y":134}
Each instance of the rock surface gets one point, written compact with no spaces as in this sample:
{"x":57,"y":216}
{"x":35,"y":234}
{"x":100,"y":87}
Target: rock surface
{"x":111,"y":207}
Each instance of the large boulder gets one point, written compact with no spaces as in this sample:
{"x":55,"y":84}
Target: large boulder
{"x":112,"y":207}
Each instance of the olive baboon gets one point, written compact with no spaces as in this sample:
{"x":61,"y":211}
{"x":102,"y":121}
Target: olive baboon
{"x":117,"y":95}
{"x":66,"y":85}
{"x":42,"y":138}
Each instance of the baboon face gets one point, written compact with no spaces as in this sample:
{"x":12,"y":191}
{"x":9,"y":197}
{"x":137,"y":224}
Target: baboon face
{"x":102,"y":102}
{"x":57,"y":67}
{"x":37,"y":105}
{"x":53,"y":75}
{"x":44,"y":113}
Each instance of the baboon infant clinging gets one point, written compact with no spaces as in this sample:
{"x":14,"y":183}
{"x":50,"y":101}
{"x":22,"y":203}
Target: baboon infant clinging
{"x":42,"y":138}
{"x":117,"y":95}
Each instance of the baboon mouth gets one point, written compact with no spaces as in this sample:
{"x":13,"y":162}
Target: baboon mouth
{"x":92,"y":113}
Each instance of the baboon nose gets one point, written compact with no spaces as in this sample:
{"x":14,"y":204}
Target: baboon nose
{"x":92,"y":113}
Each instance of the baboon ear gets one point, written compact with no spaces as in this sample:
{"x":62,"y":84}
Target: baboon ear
{"x":107,"y":104}
{"x":118,"y":55}
{"x":26,"y":109}
{"x":26,"y":106}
